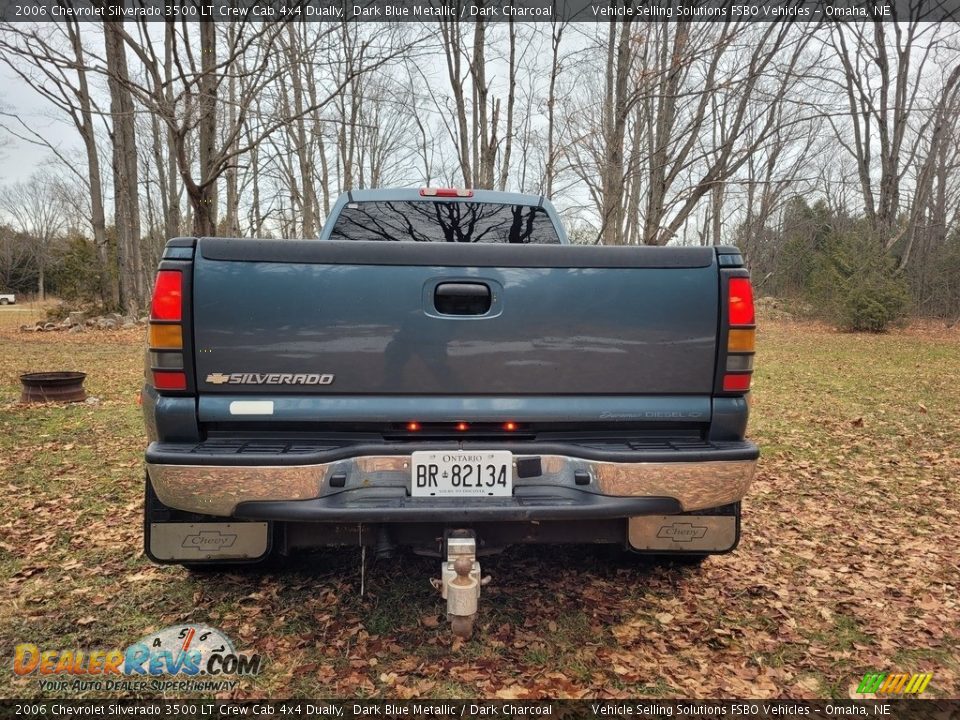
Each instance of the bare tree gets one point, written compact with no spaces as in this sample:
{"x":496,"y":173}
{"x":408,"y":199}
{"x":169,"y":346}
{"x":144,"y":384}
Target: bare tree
{"x":477,"y":128}
{"x":882,"y":71}
{"x":35,"y":210}
{"x":203,"y":63}
{"x":50,"y":59}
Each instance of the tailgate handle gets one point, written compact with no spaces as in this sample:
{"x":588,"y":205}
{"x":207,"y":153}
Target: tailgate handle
{"x":462,"y":298}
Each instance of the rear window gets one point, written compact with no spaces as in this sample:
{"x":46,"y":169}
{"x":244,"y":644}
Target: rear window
{"x":468,"y":222}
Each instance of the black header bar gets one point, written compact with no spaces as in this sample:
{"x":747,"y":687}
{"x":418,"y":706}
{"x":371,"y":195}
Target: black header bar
{"x":200,"y":709}
{"x":488,"y":10}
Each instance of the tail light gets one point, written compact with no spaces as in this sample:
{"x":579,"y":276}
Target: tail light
{"x":165,"y":334}
{"x":167,"y":303}
{"x":741,"y":336}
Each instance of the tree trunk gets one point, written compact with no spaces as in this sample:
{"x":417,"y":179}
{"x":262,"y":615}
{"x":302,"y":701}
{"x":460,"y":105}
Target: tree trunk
{"x":173,"y":216}
{"x":109,"y":286}
{"x":556,"y":34}
{"x":204,"y":195}
{"x":511,"y":99}
{"x":125,"y":171}
{"x":231,"y":221}
{"x":299,"y":130}
{"x":619,"y":62}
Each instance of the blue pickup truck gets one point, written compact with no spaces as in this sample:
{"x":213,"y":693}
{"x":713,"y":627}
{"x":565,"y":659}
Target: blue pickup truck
{"x":441,"y":370}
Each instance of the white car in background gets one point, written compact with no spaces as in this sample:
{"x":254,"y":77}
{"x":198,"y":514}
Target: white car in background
{"x":8,"y":299}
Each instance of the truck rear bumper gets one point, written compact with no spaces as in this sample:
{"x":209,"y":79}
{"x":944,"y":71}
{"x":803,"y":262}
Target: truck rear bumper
{"x":527,"y":503}
{"x":374,"y":488}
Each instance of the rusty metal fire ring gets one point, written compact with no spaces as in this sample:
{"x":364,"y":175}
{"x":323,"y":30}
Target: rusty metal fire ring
{"x":60,"y":387}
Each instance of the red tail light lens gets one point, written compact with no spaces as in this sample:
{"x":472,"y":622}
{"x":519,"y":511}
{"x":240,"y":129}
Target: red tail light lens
{"x":167,"y":296}
{"x":413,"y":427}
{"x":462,"y":426}
{"x":740,"y":302}
{"x":736,"y":383}
{"x":163,"y":380}
{"x":509,"y":426}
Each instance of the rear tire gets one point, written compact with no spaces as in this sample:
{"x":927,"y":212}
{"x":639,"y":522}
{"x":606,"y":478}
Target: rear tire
{"x":4,"y":301}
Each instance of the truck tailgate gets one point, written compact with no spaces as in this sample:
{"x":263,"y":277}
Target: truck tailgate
{"x":280,"y":317}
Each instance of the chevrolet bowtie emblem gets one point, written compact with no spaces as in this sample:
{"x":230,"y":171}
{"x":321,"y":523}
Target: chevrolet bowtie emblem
{"x":218,"y":378}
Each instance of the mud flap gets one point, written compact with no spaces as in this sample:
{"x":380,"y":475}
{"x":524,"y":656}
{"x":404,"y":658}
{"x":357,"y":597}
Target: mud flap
{"x":174,"y":536}
{"x":207,"y":541}
{"x":712,"y":531}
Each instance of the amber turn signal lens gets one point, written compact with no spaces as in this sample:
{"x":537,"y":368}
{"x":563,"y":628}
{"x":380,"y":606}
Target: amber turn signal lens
{"x":165,"y":337}
{"x":741,"y":340}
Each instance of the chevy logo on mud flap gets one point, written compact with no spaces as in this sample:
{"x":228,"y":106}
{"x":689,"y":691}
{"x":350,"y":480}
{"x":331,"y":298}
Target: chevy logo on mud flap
{"x":270,"y":378}
{"x":209,"y":540}
{"x":682,"y":532}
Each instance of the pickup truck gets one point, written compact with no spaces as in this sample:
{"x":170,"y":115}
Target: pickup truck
{"x":8,"y":299}
{"x":442,"y":371}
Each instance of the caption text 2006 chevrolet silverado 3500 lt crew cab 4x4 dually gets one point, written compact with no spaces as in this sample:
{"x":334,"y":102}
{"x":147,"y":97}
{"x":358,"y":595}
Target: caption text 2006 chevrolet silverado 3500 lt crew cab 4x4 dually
{"x":441,"y":370}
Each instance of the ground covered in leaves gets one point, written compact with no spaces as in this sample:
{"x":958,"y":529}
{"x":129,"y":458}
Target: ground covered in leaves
{"x":848,"y":562}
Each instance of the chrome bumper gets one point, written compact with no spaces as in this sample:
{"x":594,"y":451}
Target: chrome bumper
{"x":217,"y":490}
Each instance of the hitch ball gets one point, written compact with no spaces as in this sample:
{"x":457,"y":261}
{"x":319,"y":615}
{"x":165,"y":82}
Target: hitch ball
{"x":460,"y":582}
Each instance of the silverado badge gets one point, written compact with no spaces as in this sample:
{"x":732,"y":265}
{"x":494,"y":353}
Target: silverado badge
{"x":270,"y":378}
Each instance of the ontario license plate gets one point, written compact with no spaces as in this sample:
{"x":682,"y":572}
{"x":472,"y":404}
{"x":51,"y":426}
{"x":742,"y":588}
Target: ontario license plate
{"x":462,"y":474}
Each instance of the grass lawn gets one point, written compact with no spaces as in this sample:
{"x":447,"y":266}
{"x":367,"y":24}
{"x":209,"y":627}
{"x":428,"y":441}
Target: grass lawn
{"x":848,"y":561}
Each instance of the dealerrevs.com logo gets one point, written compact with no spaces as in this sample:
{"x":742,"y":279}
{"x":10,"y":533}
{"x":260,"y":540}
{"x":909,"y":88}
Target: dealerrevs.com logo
{"x":894,"y":683}
{"x":180,"y":657}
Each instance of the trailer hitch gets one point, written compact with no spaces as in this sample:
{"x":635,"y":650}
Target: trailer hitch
{"x":460,"y":581}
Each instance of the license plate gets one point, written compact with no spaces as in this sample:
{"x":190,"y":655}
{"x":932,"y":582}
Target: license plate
{"x":462,"y":474}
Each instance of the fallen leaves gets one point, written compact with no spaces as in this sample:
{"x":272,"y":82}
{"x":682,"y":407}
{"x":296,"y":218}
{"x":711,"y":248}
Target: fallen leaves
{"x":846,"y":563}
